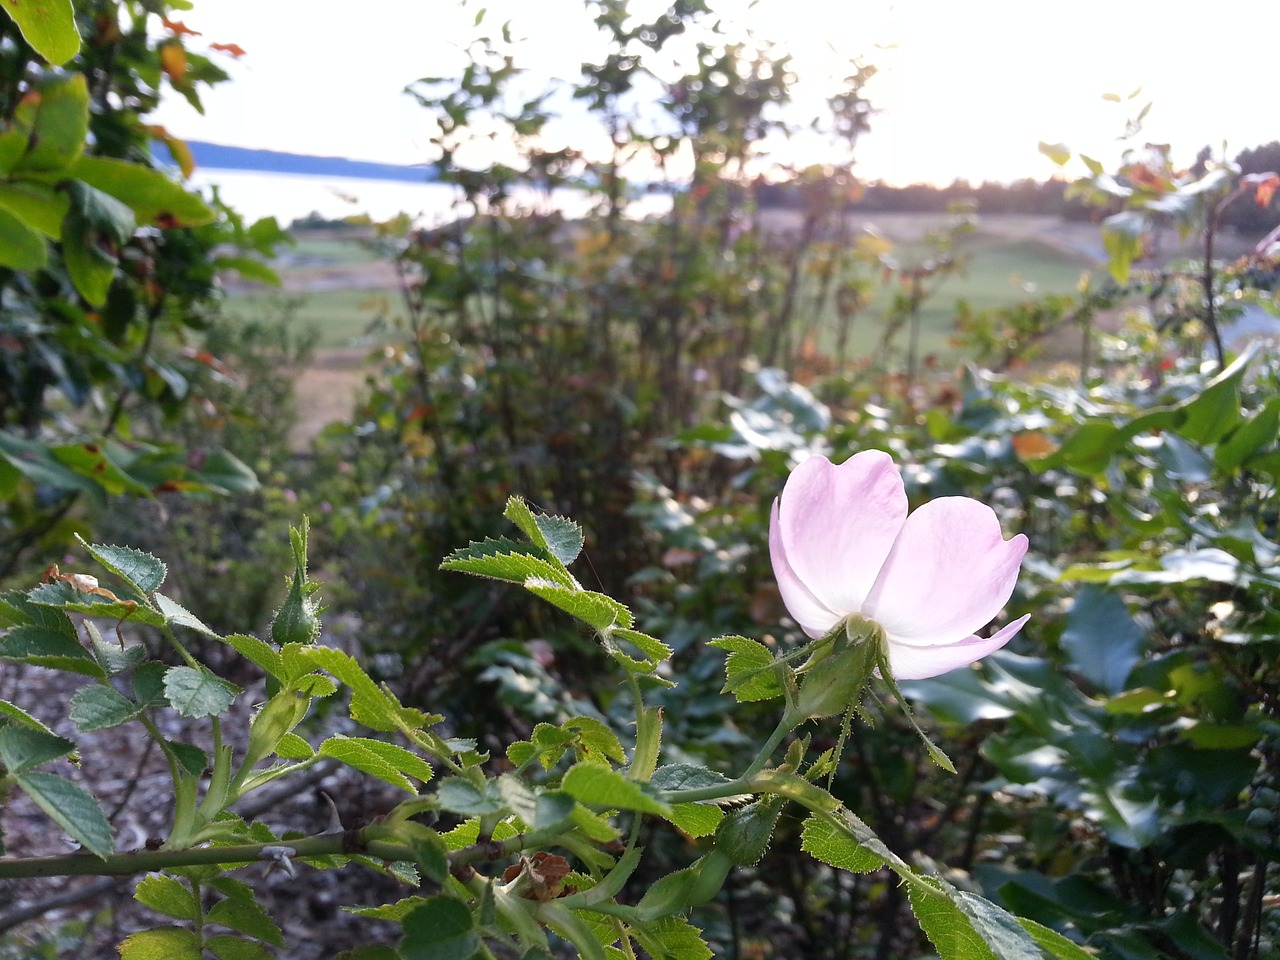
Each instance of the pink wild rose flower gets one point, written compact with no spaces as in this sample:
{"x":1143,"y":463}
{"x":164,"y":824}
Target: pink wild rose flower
{"x":843,"y":547}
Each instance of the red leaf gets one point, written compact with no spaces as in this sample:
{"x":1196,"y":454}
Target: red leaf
{"x":1264,"y":186}
{"x":234,"y":49}
{"x":179,"y":28}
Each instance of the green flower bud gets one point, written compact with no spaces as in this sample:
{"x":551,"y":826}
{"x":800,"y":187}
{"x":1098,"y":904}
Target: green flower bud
{"x":298,"y":620}
{"x":277,"y":717}
{"x":677,"y":892}
{"x":835,"y":680}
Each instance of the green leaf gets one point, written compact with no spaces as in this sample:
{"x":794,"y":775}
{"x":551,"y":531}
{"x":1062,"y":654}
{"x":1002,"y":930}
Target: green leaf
{"x":558,"y":536}
{"x":66,"y":597}
{"x":592,"y":739}
{"x":21,"y":247}
{"x":59,"y":122}
{"x":109,"y":655}
{"x":595,"y":785}
{"x":95,"y":228}
{"x":248,"y":268}
{"x":644,"y":757}
{"x":223,"y":472}
{"x":461,"y":796}
{"x":1220,"y":736}
{"x":960,"y":697}
{"x":150,"y":194}
{"x":1254,"y":434}
{"x":70,"y":808}
{"x":35,"y":462}
{"x":38,"y":205}
{"x":1122,"y":235}
{"x":823,"y":841}
{"x":1183,"y":566}
{"x":1102,"y":639}
{"x":697,"y":819}
{"x":23,"y":747}
{"x":43,"y":647}
{"x":255,"y":651}
{"x":689,"y":776}
{"x":165,"y":943}
{"x":596,"y":609}
{"x":439,"y":929}
{"x":386,"y":761}
{"x":1215,"y":411}
{"x":1054,"y":943}
{"x":140,"y":570}
{"x":167,"y":895}
{"x":395,"y":912}
{"x":371,"y":705}
{"x":673,"y":938}
{"x":947,"y":928}
{"x":192,"y":759}
{"x":94,"y":461}
{"x":224,"y":946}
{"x":963,"y":926}
{"x":507,"y":560}
{"x":49,"y":26}
{"x":652,"y":649}
{"x":198,"y":692}
{"x":38,"y":464}
{"x":176,"y":615}
{"x":1059,"y":153}
{"x":750,"y":674}
{"x":240,"y":911}
{"x":98,"y":707}
{"x":18,"y":715}
{"x":293,"y":747}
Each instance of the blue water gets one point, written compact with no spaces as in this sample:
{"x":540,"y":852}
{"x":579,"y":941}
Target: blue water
{"x":288,"y":197}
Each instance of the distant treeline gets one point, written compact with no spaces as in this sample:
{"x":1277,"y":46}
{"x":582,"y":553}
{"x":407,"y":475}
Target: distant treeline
{"x":1034,"y":197}
{"x":1022,"y":196}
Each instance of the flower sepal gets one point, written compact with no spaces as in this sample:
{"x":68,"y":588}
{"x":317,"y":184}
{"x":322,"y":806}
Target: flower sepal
{"x":837,"y":672}
{"x":883,"y":671}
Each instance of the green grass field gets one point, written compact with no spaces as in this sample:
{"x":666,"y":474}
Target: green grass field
{"x":343,"y":289}
{"x":1000,"y":271}
{"x":346,"y":317}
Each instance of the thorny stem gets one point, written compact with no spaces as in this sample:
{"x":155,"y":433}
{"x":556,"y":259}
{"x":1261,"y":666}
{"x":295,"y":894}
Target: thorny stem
{"x":329,"y":843}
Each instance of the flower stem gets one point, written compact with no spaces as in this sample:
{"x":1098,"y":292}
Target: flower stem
{"x":784,"y":727}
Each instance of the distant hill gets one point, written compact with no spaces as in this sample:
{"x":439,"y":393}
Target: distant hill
{"x":216,"y":156}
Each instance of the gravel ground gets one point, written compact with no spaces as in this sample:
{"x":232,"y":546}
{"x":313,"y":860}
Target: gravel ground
{"x":133,"y":789}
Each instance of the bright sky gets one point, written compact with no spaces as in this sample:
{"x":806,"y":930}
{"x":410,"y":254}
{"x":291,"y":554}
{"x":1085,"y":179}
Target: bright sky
{"x":966,"y":89}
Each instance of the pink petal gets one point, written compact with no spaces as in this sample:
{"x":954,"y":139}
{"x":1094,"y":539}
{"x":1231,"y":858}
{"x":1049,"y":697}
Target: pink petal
{"x":814,"y":618}
{"x":949,"y":573}
{"x":916,"y":663}
{"x":837,"y":524}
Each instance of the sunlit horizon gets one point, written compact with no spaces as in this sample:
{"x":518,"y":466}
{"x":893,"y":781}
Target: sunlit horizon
{"x":963,"y":91}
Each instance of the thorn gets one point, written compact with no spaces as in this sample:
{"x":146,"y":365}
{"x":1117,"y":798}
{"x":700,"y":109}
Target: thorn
{"x":335,"y":819}
{"x":279,"y":856}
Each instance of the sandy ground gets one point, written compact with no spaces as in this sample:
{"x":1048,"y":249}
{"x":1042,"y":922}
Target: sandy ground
{"x":326,"y":391}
